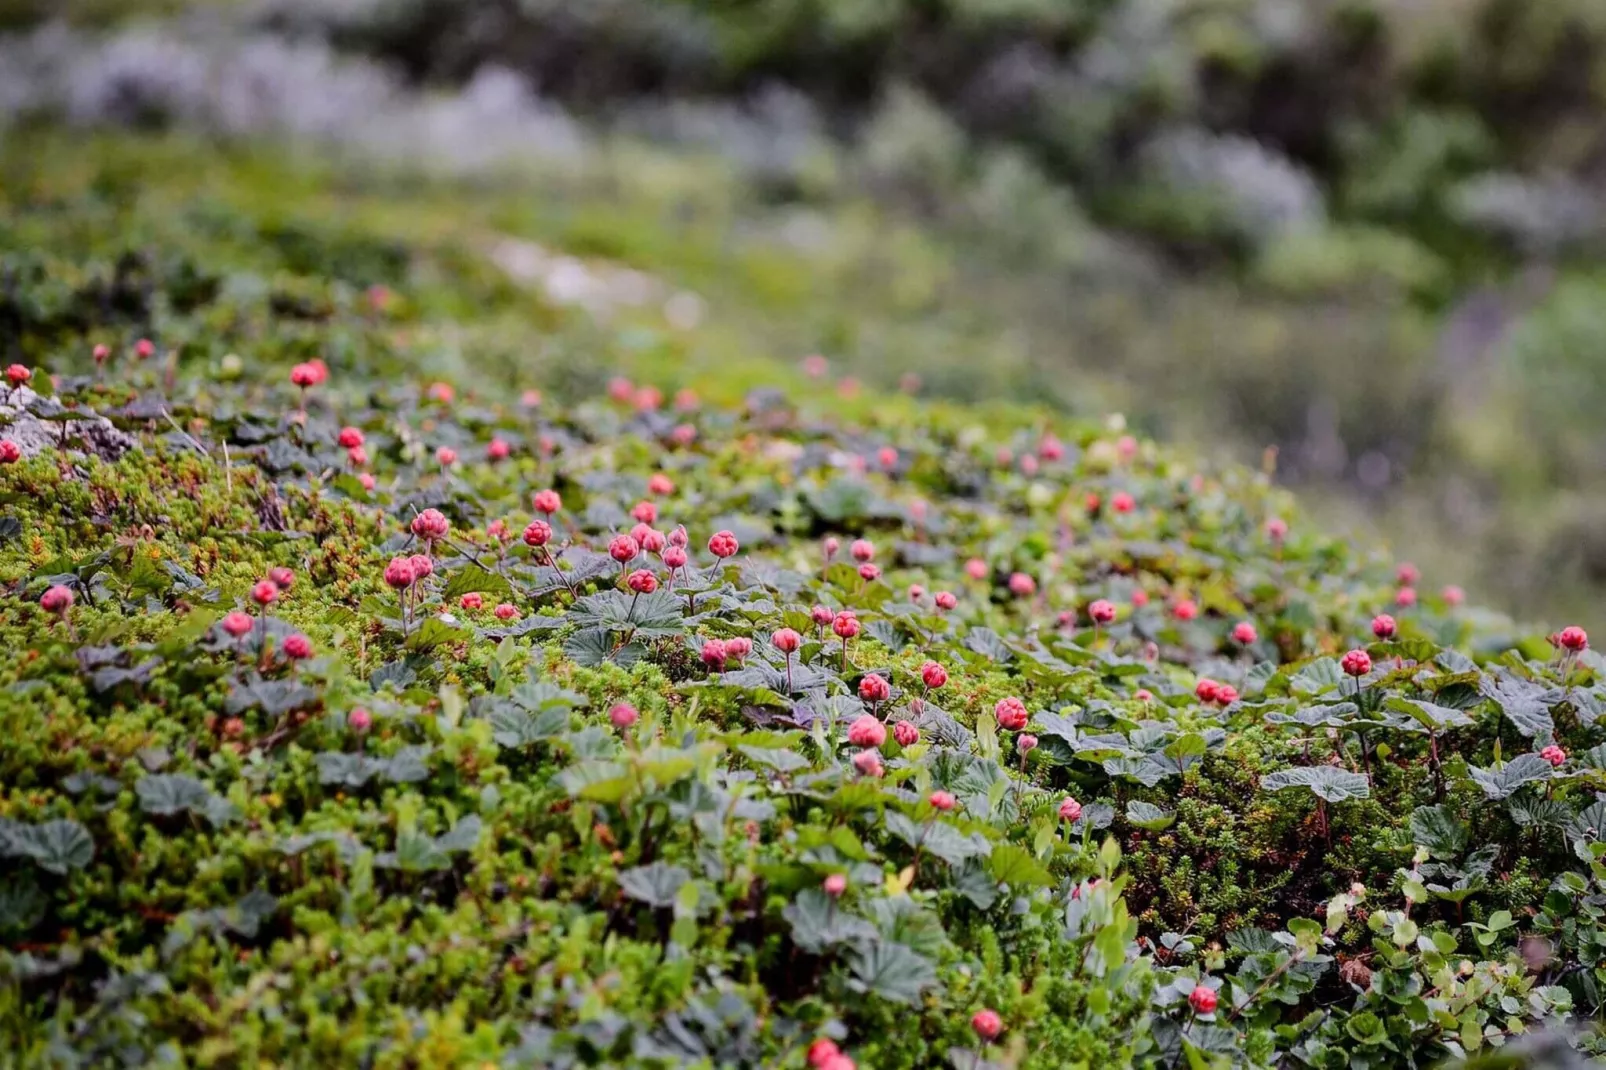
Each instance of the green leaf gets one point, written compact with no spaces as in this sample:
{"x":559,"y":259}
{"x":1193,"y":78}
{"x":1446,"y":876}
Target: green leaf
{"x":273,"y":697}
{"x":1430,"y":715}
{"x":469,"y":578}
{"x":819,"y":922}
{"x":657,"y":884}
{"x":55,"y":846}
{"x":892,"y":972}
{"x":1320,"y":675}
{"x":1437,"y":829}
{"x":1149,"y":816}
{"x":1523,"y":702}
{"x":1502,"y":782}
{"x":433,"y":632}
{"x":1013,"y":865}
{"x":167,"y":794}
{"x":1325,"y":781}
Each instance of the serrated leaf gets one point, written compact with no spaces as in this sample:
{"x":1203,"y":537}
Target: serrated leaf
{"x":55,"y":846}
{"x":467,"y":578}
{"x":1015,"y":866}
{"x":1523,"y":702}
{"x":657,"y":884}
{"x":1325,"y":781}
{"x":819,"y":922}
{"x":165,"y":794}
{"x":892,"y":972}
{"x":1148,"y":816}
{"x":1438,"y":829}
{"x":1502,"y":782}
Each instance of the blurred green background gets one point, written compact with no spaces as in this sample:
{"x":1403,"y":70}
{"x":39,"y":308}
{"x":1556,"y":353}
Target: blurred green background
{"x":1367,"y":234}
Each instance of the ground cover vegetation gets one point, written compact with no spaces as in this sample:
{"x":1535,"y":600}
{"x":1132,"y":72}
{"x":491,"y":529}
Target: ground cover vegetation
{"x":405,"y":668}
{"x":1366,"y":231}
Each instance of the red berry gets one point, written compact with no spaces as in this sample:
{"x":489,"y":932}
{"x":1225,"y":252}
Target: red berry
{"x":351,"y":437}
{"x":297,"y":647}
{"x":423,"y":567}
{"x":738,"y":647}
{"x":660,"y":485}
{"x":1185,"y":610}
{"x":987,"y":1024}
{"x":237,"y":623}
{"x":866,"y":731}
{"x":723,"y":544}
{"x":1206,"y":690}
{"x":933,"y":674}
{"x":835,"y":885}
{"x":1021,"y":585}
{"x":1384,"y":626}
{"x":820,"y":615}
{"x":284,"y":578}
{"x":505,"y":611}
{"x":906,"y":733}
{"x":1573,"y":638}
{"x":57,"y":599}
{"x":645,"y":512}
{"x":430,"y":525}
{"x":548,"y":502}
{"x":1554,"y":755}
{"x":399,"y":573}
{"x":845,"y":624}
{"x":862,"y":549}
{"x":642,"y":581}
{"x":868,"y":763}
{"x":675,"y":556}
{"x":786,"y":640}
{"x":266,"y":592}
{"x":1011,"y":714}
{"x":18,"y":374}
{"x":869,"y":572}
{"x":537,"y":533}
{"x":874,"y":688}
{"x":1025,"y":743}
{"x":1244,"y":632}
{"x":472,"y":601}
{"x":946,"y":600}
{"x":10,"y":452}
{"x":942,"y":800}
{"x":1122,"y":502}
{"x":623,"y":715}
{"x":498,"y":450}
{"x":1203,"y":1000}
{"x":1070,"y":809}
{"x":1357,"y":662}
{"x":360,"y":720}
{"x":623,"y":548}
{"x":820,"y":1051}
{"x":713,"y":654}
{"x":1101,"y":611}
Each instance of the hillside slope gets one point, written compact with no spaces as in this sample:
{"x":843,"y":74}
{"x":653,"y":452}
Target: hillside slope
{"x":418,"y":670}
